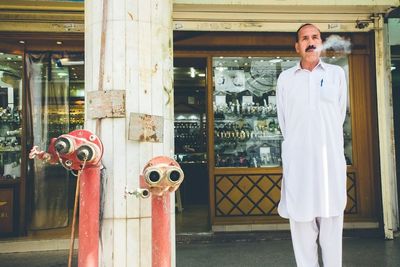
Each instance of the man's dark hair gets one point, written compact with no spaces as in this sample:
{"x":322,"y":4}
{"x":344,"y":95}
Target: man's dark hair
{"x":302,"y":26}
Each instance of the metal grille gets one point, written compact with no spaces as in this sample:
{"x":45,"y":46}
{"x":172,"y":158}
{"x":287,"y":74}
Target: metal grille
{"x":259,"y":194}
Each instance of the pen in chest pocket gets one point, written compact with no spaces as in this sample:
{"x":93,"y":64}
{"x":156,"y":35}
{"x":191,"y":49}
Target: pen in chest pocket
{"x":322,"y":82}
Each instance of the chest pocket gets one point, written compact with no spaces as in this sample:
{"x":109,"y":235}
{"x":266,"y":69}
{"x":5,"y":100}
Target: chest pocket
{"x":328,"y":93}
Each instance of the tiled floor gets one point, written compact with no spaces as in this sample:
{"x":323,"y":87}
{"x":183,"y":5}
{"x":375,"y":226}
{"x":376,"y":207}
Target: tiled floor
{"x":59,"y":233}
{"x":357,"y":252}
{"x":193,"y":219}
{"x":51,"y":239}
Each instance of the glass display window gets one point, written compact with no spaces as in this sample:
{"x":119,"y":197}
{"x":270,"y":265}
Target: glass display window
{"x":55,"y":86}
{"x":246,"y":128}
{"x":10,"y":115}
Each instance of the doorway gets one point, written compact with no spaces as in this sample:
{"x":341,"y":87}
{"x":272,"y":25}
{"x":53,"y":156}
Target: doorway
{"x":246,"y":192}
{"x":192,"y":199}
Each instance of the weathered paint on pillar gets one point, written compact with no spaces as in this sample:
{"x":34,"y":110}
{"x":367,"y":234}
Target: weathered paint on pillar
{"x":137,"y":59}
{"x":386,"y":130}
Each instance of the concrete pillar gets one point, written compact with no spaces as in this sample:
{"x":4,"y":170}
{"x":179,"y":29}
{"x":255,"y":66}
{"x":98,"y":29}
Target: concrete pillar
{"x":135,"y":56}
{"x":386,"y":130}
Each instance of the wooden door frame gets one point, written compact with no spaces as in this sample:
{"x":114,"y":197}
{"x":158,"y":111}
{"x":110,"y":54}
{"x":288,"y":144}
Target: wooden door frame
{"x":362,"y":99}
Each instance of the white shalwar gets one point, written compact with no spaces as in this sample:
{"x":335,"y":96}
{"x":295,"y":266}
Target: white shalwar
{"x":304,"y":239}
{"x":311,"y":111}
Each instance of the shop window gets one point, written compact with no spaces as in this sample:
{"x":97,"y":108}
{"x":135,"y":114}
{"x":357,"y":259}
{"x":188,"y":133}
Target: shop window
{"x":55,"y":89}
{"x":246,"y":128}
{"x":10,"y":116}
{"x":10,"y":141}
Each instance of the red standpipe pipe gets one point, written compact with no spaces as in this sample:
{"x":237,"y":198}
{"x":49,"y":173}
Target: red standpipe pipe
{"x":89,"y":206}
{"x":161,"y":242}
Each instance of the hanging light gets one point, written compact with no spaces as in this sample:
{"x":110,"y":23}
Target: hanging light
{"x":192,"y":72}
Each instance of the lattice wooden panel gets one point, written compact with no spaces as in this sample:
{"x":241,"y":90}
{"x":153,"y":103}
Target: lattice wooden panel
{"x":351,"y":207}
{"x":259,"y":194}
{"x":247,"y":195}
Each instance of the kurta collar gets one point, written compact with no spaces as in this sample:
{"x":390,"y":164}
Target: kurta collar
{"x":320,"y":64}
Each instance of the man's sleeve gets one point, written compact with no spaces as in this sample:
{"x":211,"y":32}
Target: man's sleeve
{"x":343,"y":95}
{"x":280,"y":105}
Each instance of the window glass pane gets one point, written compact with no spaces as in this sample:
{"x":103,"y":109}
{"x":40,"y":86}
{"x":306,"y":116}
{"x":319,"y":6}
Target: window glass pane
{"x":56,"y":91}
{"x":10,"y":115}
{"x":246,"y":129}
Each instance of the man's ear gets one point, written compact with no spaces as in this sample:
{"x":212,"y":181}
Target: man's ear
{"x":296,"y":46}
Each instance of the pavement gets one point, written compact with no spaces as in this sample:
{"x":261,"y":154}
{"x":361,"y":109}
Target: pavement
{"x":237,"y":252}
{"x":357,"y":252}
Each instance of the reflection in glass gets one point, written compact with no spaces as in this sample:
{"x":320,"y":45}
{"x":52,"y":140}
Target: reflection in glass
{"x":246,"y":128}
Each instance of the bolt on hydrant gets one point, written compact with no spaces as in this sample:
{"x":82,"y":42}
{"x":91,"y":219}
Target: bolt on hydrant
{"x":80,"y":151}
{"x":161,"y":176}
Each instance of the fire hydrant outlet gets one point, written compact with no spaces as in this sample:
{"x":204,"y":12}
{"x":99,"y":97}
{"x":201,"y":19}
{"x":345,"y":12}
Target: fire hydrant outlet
{"x":85,"y":153}
{"x":154,"y":177}
{"x":175,"y":176}
{"x":63,"y":145}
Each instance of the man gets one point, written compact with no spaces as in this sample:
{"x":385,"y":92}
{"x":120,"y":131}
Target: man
{"x":311,"y":101}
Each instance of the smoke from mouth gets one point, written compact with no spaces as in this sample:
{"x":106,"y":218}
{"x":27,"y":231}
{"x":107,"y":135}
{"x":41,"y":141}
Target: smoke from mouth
{"x":336,"y":43}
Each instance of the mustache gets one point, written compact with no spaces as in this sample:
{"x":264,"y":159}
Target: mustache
{"x":310,"y":47}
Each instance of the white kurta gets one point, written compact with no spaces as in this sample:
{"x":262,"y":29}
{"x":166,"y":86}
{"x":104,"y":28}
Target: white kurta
{"x":311,"y":111}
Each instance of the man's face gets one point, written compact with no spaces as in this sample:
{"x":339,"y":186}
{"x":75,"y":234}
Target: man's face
{"x":309,"y":44}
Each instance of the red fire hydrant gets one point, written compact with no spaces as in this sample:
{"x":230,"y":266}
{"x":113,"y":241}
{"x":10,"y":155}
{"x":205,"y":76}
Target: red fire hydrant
{"x":161,"y":175}
{"x":81,"y":151}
